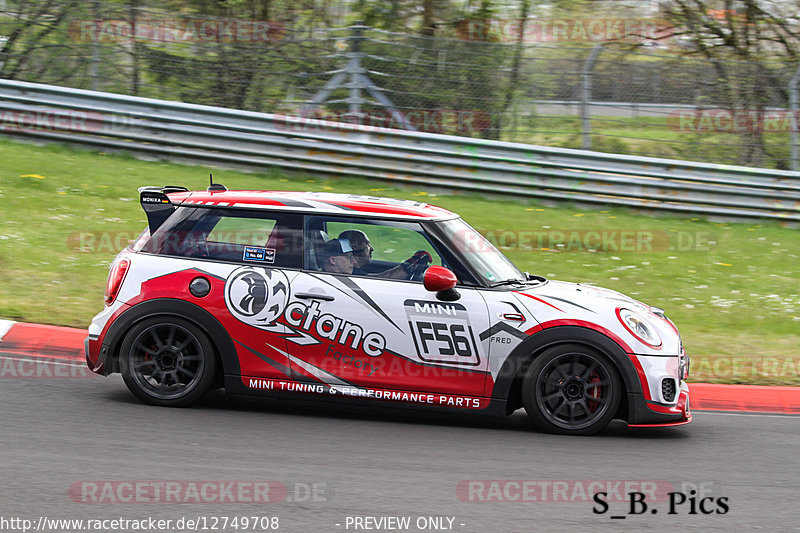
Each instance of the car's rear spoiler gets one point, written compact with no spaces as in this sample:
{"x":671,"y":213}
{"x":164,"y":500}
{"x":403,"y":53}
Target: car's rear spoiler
{"x":156,"y":204}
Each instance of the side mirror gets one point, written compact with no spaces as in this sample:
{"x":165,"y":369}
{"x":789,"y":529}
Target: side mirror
{"x":441,"y":281}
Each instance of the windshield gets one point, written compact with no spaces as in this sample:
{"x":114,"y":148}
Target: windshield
{"x":480,"y":254}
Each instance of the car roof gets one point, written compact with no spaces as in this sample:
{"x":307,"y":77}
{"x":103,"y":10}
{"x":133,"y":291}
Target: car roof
{"x":314,"y":202}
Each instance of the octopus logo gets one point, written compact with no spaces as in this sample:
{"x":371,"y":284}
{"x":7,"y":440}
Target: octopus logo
{"x":257,"y":296}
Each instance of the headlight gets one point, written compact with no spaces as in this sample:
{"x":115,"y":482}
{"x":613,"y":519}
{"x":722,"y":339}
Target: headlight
{"x":639,"y":327}
{"x":683,"y":369}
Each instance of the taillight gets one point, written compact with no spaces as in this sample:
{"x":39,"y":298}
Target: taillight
{"x":115,"y":278}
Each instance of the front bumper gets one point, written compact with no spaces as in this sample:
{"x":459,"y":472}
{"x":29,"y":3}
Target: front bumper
{"x":645,"y":413}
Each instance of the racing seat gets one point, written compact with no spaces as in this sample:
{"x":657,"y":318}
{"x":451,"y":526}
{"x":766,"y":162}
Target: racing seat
{"x":286,"y":242}
{"x":315,"y":238}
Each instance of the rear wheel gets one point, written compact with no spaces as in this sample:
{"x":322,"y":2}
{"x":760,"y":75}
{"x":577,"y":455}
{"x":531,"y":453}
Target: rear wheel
{"x":571,"y":389}
{"x":167,"y":361}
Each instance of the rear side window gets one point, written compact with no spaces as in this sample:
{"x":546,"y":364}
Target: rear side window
{"x":231,"y":235}
{"x":242,"y":230}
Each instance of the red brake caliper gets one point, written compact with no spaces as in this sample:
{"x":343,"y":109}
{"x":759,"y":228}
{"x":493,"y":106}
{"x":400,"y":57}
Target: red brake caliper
{"x":594,"y":392}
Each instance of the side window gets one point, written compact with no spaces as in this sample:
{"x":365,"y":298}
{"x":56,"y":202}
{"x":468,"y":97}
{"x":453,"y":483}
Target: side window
{"x":243,"y":236}
{"x":395,"y":250}
{"x":242,"y":230}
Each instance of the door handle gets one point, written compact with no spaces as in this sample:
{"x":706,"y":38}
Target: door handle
{"x":313,"y":296}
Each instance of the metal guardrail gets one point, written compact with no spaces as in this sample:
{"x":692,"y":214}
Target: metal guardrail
{"x":180,"y":131}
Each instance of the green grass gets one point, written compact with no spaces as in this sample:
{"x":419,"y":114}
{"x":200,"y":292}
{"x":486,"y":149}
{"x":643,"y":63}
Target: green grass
{"x":733,"y":289}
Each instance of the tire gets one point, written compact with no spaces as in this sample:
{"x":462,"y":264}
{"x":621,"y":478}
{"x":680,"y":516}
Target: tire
{"x":571,"y":389}
{"x":167,"y":361}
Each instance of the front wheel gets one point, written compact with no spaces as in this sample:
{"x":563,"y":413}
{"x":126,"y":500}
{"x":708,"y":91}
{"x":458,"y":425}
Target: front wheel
{"x":571,"y":389}
{"x":167,"y":361}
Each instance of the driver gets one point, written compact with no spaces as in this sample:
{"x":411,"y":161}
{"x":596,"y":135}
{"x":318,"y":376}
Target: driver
{"x":362,"y":252}
{"x":337,"y":256}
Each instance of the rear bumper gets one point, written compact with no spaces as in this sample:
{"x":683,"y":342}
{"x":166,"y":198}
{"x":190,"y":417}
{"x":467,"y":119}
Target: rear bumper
{"x":95,"y":355}
{"x":98,"y":345}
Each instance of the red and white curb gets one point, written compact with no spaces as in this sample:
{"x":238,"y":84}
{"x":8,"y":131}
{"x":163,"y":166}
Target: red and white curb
{"x":752,"y":398}
{"x":38,"y":340}
{"x":5,"y":325}
{"x":58,"y":342}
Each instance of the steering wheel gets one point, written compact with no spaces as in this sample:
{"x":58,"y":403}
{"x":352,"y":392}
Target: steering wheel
{"x":416,"y":271}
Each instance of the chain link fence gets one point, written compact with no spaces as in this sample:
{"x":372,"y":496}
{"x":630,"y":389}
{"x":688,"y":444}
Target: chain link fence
{"x":652,"y":101}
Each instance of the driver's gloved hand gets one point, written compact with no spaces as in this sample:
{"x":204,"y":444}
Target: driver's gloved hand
{"x":420,"y":257}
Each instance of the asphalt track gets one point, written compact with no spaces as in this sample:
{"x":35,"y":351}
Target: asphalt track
{"x":61,"y":432}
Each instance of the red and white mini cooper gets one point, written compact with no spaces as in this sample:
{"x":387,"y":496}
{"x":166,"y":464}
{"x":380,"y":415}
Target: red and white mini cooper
{"x":334,"y":295}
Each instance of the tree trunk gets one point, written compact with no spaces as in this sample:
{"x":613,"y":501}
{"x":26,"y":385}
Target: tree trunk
{"x":519,"y":50}
{"x":428,"y":19}
{"x":133,"y":15}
